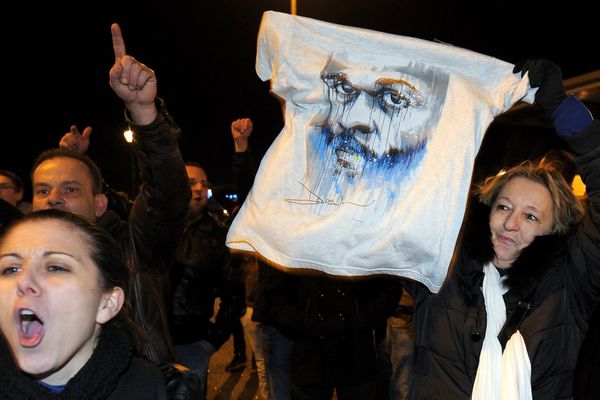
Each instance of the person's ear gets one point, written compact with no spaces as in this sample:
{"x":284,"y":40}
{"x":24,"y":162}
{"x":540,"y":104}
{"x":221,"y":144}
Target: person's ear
{"x":100,"y":204}
{"x":110,"y":305}
{"x":19,"y":195}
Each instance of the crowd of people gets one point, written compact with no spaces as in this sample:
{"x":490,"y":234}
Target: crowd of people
{"x":106,"y":298}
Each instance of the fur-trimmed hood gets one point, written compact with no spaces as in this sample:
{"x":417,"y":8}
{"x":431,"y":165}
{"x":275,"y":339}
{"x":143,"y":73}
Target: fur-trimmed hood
{"x":477,"y":250}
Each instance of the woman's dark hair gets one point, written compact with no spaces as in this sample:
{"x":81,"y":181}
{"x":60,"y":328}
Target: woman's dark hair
{"x":104,"y":252}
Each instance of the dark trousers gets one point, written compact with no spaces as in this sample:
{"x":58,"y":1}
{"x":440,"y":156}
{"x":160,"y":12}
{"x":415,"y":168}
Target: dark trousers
{"x":239,"y":341}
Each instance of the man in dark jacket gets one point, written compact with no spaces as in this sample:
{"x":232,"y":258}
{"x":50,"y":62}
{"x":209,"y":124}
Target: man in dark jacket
{"x":332,"y":322}
{"x":204,"y":270}
{"x":66,"y":179}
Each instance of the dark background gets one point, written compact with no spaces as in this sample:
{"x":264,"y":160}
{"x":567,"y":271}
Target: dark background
{"x":56,"y":59}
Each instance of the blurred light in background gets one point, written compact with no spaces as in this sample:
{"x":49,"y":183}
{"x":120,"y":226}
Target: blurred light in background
{"x":128,"y":134}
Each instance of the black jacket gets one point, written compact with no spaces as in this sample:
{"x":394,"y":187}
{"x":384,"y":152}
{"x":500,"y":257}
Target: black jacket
{"x":8,"y":214}
{"x":112,"y":373}
{"x":331,"y":321}
{"x":558,"y":276}
{"x":204,"y":269}
{"x":150,"y":237}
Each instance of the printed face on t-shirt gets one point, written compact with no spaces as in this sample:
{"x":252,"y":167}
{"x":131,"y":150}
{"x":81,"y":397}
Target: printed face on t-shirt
{"x":376,"y":128}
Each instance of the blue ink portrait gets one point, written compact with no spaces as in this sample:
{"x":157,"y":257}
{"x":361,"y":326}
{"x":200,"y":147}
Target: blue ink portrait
{"x":372,"y":133}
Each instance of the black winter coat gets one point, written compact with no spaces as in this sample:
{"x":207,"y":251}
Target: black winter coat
{"x":558,"y":276}
{"x":149,"y":238}
{"x":112,"y":373}
{"x":204,"y":269}
{"x":331,"y":321}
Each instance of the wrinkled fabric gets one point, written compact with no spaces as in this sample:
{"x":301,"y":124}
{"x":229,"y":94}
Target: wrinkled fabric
{"x":333,"y":204}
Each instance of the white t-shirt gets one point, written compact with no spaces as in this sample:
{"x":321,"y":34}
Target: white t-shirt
{"x":371,"y":171}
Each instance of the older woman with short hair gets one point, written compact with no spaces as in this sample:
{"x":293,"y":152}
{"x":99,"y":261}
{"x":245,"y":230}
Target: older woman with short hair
{"x":512,"y":314}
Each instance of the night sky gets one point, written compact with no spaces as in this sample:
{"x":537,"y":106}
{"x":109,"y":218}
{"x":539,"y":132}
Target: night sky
{"x":56,"y":61}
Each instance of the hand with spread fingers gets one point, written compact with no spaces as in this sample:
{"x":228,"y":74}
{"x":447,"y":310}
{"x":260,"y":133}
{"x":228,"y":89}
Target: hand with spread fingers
{"x":76,"y":140}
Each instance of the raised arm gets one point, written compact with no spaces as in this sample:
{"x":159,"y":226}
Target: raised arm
{"x":568,"y":114}
{"x":574,"y":123}
{"x":159,"y":211}
{"x":244,"y":165}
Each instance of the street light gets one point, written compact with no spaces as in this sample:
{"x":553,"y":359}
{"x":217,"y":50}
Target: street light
{"x":128,"y":134}
{"x":133,"y":189}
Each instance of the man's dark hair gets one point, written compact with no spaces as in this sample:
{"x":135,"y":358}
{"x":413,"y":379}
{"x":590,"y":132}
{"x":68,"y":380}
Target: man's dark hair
{"x":65,"y":153}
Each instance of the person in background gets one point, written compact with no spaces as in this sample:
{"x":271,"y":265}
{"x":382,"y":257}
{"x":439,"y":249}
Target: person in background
{"x":331,"y":321}
{"x":241,"y":129}
{"x":204,"y":270}
{"x":510,"y":318}
{"x":53,"y":347}
{"x":66,"y":179}
{"x":271,"y":349}
{"x":11,"y":190}
{"x":9,"y":197}
{"x":79,"y":141}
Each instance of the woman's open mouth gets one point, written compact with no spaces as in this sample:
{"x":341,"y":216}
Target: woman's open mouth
{"x":31,"y":332}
